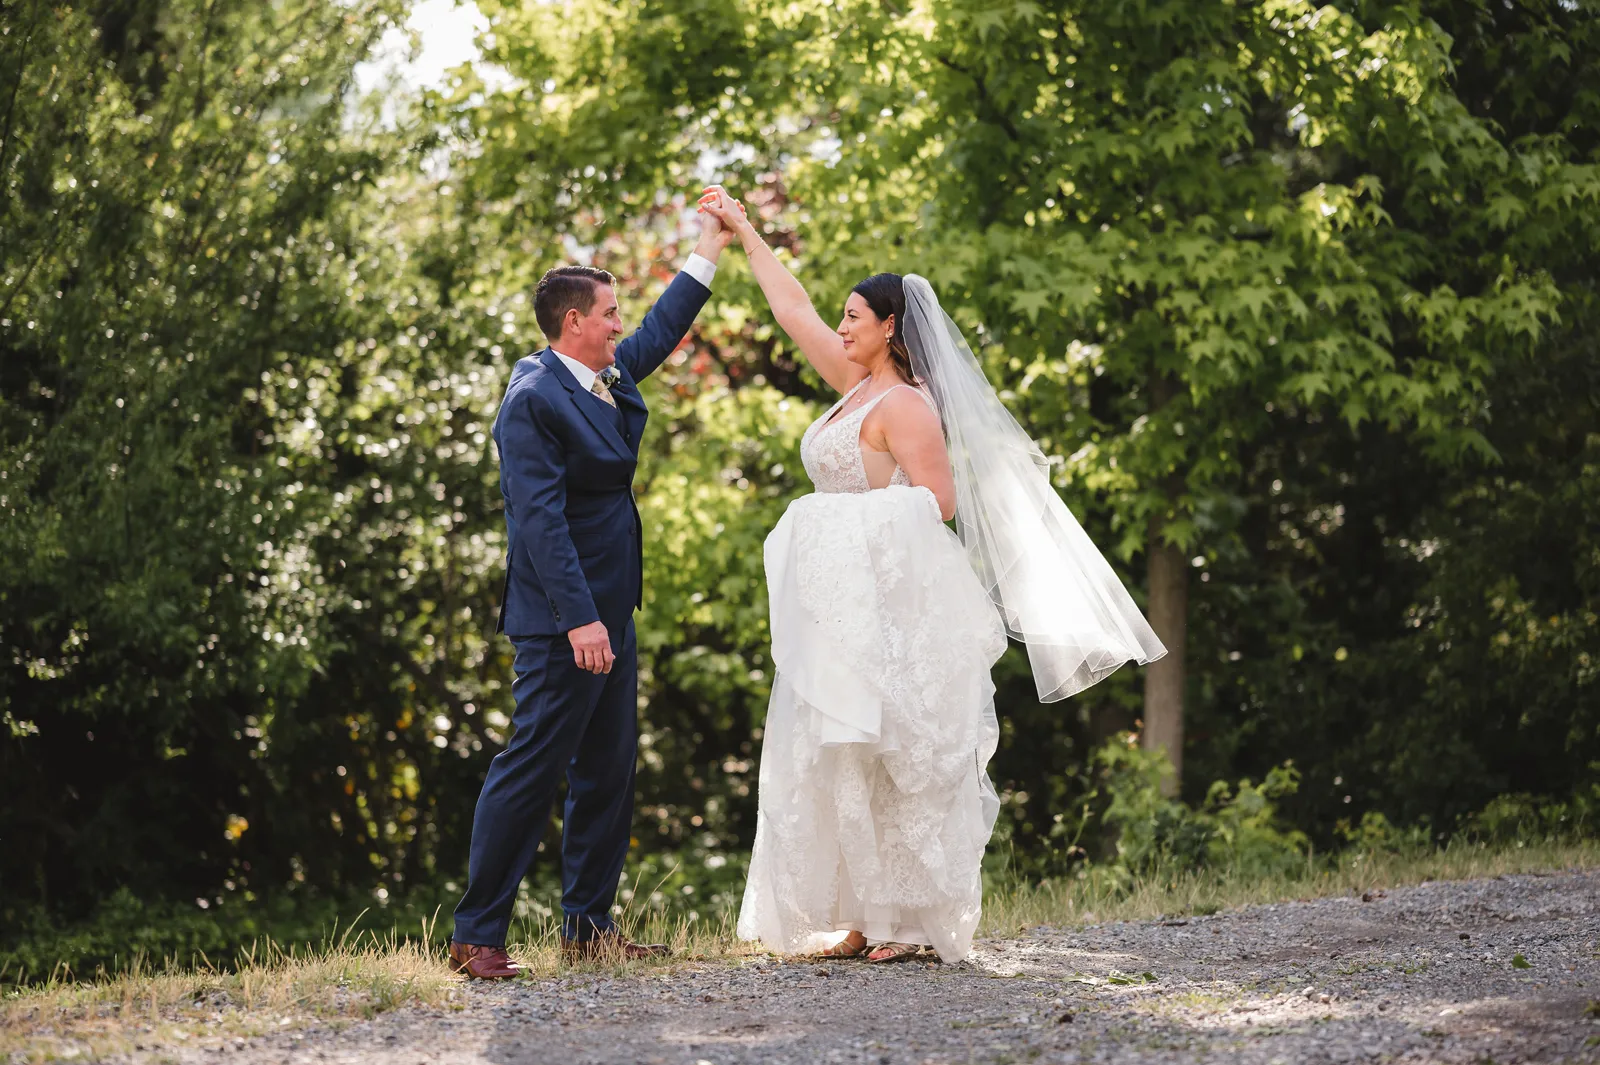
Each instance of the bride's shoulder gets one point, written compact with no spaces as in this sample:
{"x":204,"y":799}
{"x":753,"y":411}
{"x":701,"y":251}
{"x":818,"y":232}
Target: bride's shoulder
{"x":909,"y":401}
{"x":907,"y":407}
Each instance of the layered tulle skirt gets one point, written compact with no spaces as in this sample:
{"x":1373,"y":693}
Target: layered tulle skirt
{"x":875,"y":807}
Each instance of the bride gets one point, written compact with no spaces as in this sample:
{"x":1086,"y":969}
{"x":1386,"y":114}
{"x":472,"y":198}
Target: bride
{"x":874,"y":804}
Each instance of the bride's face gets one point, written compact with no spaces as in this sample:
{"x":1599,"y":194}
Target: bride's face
{"x":865,"y":335}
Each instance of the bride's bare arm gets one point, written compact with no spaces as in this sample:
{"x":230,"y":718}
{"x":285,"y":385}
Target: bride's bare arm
{"x":911,"y":432}
{"x":790,"y":305}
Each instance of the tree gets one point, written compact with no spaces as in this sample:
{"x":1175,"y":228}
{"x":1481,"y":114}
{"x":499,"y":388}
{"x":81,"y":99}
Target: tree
{"x":240,"y":465}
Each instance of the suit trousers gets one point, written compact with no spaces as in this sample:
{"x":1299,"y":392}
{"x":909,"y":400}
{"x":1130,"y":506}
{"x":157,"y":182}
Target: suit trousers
{"x":568,"y":721}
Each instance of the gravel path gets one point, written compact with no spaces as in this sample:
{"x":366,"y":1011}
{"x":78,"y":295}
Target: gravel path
{"x":1500,"y":971}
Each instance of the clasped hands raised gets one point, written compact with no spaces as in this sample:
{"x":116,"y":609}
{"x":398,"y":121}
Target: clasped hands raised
{"x":720,"y":209}
{"x":724,"y":217}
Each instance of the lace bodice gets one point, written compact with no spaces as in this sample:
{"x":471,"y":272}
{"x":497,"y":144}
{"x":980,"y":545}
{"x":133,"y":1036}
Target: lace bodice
{"x":831,"y":451}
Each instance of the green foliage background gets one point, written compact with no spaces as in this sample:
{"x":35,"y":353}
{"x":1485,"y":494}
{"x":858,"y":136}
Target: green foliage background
{"x":1305,"y":294}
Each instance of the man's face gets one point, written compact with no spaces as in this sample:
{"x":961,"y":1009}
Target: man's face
{"x":593,"y":337}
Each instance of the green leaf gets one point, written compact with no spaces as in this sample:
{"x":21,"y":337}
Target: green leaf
{"x":1031,"y":302}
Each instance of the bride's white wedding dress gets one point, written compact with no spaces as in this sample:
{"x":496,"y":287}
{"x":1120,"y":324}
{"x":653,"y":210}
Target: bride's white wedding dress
{"x":874,"y":806}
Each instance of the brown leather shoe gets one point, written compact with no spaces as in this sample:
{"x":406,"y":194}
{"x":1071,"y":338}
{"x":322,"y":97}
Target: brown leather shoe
{"x":611,"y":946}
{"x":482,"y":963}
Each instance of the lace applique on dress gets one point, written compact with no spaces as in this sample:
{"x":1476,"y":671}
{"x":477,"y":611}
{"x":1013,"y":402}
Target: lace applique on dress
{"x":831,"y":450}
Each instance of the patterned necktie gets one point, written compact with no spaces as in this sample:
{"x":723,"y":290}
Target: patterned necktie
{"x":603,"y":392}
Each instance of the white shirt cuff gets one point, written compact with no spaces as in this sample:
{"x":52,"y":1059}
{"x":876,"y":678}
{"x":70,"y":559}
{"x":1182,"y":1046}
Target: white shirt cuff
{"x":700,"y":268}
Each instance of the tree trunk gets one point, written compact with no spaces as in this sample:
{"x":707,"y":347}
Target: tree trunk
{"x":1163,"y":681}
{"x":1169,"y":616}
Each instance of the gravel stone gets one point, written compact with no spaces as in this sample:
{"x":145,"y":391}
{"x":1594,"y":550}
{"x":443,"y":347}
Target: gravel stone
{"x":1419,"y":974}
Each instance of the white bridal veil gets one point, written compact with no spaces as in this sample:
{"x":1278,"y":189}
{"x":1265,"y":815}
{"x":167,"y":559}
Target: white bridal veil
{"x":1054,"y":590}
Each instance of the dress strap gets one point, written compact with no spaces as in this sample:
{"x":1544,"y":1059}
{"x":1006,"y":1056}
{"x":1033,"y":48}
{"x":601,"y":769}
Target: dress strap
{"x":925,"y":397}
{"x":833,"y":416}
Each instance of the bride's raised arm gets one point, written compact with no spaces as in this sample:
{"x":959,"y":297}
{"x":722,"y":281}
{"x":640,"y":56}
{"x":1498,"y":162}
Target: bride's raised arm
{"x":819,"y":343}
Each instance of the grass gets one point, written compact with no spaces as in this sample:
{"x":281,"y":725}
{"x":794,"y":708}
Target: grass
{"x":149,"y":1006}
{"x":350,"y":978}
{"x":353,"y":977}
{"x":1092,"y":899}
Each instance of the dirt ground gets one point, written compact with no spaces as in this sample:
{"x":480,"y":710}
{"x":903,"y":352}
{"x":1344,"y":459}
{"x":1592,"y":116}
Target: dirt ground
{"x":1503,"y":970}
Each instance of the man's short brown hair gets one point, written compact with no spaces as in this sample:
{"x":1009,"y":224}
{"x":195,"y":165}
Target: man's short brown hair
{"x":564,"y":289}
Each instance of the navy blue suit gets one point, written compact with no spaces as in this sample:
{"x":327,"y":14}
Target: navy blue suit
{"x":567,"y":462}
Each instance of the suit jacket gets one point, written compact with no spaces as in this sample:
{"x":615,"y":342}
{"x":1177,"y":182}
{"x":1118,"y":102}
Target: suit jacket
{"x":567,"y":460}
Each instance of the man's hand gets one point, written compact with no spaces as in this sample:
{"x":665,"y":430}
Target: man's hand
{"x":711,"y":228}
{"x":717,"y":202}
{"x":591,"y":647}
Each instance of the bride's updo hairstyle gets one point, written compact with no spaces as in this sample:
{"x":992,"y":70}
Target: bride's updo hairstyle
{"x":886,"y":295}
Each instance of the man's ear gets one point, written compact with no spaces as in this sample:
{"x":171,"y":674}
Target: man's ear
{"x":570,"y":319}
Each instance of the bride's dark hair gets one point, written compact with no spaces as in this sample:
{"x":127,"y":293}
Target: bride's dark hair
{"x":886,"y":295}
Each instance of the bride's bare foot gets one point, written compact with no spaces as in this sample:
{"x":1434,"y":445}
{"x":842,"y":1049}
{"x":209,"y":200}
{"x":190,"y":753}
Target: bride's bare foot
{"x":851,"y":946}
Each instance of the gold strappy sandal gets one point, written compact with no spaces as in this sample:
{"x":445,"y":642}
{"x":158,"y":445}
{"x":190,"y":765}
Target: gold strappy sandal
{"x":844,"y":949}
{"x":897,"y":952}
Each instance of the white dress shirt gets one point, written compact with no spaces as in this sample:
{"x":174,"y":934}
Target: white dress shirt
{"x":696,"y":266}
{"x":584,"y":375}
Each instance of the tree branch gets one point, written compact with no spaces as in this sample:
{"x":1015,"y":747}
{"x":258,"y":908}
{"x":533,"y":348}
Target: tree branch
{"x":998,"y":116}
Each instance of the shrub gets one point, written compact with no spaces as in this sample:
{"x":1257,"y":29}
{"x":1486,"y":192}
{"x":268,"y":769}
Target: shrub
{"x":1238,"y":826}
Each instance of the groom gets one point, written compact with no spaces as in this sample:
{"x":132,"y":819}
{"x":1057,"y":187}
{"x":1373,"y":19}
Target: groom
{"x":568,"y":432}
